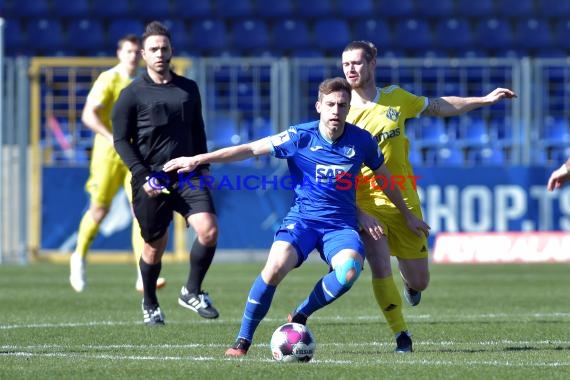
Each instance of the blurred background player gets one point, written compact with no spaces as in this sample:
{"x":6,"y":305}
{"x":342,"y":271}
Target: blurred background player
{"x":383,"y":112}
{"x":159,"y":117}
{"x":323,"y":215}
{"x":107,"y":172}
{"x":559,"y":177}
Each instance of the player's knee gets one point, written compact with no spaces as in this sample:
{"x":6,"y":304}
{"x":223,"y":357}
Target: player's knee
{"x":209,"y":236}
{"x":348,"y":272}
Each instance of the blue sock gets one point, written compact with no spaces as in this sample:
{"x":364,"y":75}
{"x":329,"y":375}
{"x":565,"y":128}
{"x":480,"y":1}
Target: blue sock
{"x":326,"y":290}
{"x":256,"y":307}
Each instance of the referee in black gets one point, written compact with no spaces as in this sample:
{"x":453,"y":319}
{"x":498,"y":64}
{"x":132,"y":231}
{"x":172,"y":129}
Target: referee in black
{"x":158,"y":117}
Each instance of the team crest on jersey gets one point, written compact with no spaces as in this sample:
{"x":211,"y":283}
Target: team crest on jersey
{"x":392,"y":114}
{"x":349,"y":151}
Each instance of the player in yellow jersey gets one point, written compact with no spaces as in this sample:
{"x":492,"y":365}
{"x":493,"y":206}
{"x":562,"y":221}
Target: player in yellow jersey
{"x":383,"y":112}
{"x":107,"y":171}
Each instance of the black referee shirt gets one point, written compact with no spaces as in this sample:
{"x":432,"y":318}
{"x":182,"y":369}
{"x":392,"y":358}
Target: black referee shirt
{"x":153,"y":123}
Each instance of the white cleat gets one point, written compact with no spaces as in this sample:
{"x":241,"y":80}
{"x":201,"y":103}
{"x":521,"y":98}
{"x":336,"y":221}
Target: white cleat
{"x":77,"y":272}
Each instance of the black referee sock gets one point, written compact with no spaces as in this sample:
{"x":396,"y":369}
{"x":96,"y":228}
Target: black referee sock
{"x":200,"y":259}
{"x":149,"y":275}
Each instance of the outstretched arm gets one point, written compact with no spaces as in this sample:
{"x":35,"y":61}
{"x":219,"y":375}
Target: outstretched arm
{"x":456,"y":105}
{"x":229,"y":154}
{"x":559,"y":177}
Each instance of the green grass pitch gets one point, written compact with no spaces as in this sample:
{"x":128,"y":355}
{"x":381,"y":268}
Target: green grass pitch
{"x":474,"y":322}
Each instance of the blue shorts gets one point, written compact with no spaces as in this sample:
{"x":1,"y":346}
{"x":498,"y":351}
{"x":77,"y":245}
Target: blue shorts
{"x":329,"y":240}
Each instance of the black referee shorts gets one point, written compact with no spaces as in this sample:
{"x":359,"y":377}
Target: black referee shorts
{"x":155,"y":214}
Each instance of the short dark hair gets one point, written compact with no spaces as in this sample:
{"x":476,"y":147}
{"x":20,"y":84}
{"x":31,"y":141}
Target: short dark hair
{"x":332,"y":85}
{"x":132,"y":38}
{"x":368,"y":47}
{"x":155,"y":28}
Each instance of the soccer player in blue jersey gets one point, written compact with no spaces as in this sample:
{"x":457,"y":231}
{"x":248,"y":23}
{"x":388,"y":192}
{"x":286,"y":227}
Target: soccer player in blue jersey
{"x":324,"y":158}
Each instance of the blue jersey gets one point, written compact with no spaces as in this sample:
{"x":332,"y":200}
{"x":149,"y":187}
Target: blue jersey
{"x":325,"y":174}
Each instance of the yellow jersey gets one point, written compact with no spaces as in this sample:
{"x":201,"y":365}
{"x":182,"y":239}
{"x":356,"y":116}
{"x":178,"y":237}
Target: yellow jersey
{"x":384,"y":118}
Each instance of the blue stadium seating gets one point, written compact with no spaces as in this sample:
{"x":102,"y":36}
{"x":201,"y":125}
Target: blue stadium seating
{"x":209,"y":36}
{"x":454,"y":33}
{"x":193,"y":10}
{"x":232,"y":9}
{"x":118,"y":28}
{"x":394,"y":9}
{"x":47,"y":35}
{"x":413,"y":33}
{"x":27,"y":9}
{"x":374,"y":30}
{"x":103,"y":10}
{"x":494,"y":156}
{"x":475,"y":9}
{"x":533,"y":33}
{"x":435,"y":9}
{"x":562,"y":31}
{"x":431,"y":132}
{"x":473,"y":132}
{"x":14,"y":37}
{"x":86,"y":36}
{"x":355,"y":9}
{"x":222,"y":130}
{"x":515,"y":8}
{"x":249,"y":34}
{"x":553,"y":9}
{"x":445,"y":156}
{"x":282,"y":9}
{"x":180,"y":37}
{"x":291,"y":35}
{"x":494,"y":33}
{"x":556,"y":132}
{"x":332,"y":35}
{"x":72,"y":9}
{"x":150,"y":10}
{"x":314,"y":9}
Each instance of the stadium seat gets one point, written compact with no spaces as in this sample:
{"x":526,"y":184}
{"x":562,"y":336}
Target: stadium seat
{"x":435,"y":9}
{"x":315,"y":9}
{"x":232,"y":9}
{"x":72,"y":9}
{"x":374,"y":30}
{"x":332,"y":34}
{"x":415,"y":157}
{"x":179,"y":35}
{"x":412,"y":33}
{"x":473,"y":132}
{"x":454,"y":33}
{"x":47,"y":36}
{"x":355,"y":9}
{"x":279,"y":10}
{"x":515,"y":8}
{"x":292,"y":35}
{"x":555,"y":132}
{"x":222,"y":129}
{"x":26,"y":9}
{"x":86,"y":36}
{"x":193,"y":10}
{"x":533,"y":33}
{"x":151,"y":10}
{"x":249,"y":34}
{"x":14,"y":37}
{"x":562,"y":31}
{"x":120,"y":8}
{"x":119,"y":28}
{"x":494,"y":156}
{"x":554,"y":9}
{"x":393,"y":9}
{"x":475,"y":9}
{"x":493,"y":33}
{"x":449,"y":156}
{"x":431,"y":132}
{"x":210,"y":36}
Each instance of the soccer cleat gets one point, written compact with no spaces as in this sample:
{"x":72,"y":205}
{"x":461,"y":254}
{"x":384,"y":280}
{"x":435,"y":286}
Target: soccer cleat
{"x":403,"y":342}
{"x":160,"y":283}
{"x":239,"y":348}
{"x":297,"y":318}
{"x":152,"y":316}
{"x":77,"y":272}
{"x":200,"y":303}
{"x":413,"y":297}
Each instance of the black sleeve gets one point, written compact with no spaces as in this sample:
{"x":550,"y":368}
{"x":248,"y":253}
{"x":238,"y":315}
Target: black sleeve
{"x":124,"y":119}
{"x":199,"y":130}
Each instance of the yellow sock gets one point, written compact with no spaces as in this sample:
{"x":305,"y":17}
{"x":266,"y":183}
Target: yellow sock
{"x":390,"y":302}
{"x":88,"y":229}
{"x":137,"y":242}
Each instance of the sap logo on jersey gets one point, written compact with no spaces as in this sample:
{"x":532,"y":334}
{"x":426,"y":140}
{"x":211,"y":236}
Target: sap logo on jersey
{"x":330,"y":173}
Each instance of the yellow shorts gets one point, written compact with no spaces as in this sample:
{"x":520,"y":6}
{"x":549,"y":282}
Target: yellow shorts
{"x":107,"y":174}
{"x":402,"y":241}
